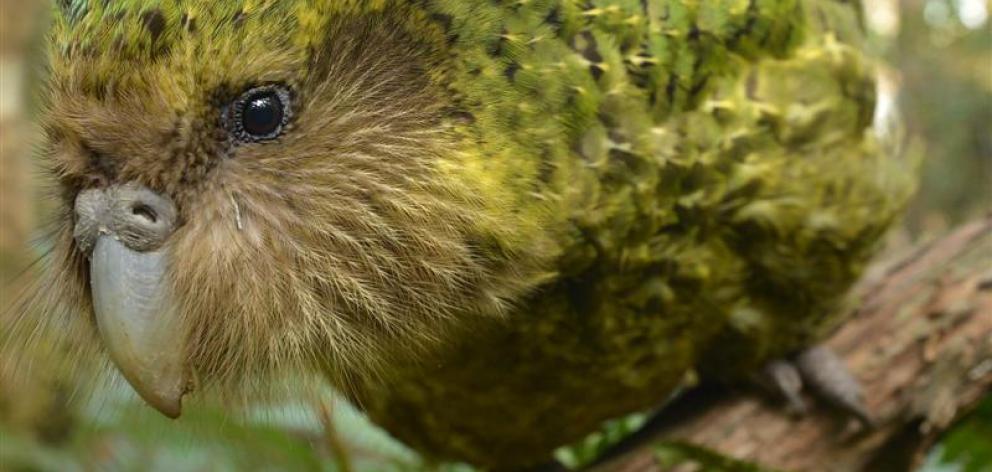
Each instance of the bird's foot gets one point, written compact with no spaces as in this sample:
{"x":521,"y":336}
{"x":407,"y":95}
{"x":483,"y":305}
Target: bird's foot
{"x":782,"y":378}
{"x":822,"y":373}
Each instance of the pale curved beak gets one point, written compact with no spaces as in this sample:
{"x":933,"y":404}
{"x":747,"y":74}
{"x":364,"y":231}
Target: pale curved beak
{"x":123,"y":229}
{"x":138,"y":324}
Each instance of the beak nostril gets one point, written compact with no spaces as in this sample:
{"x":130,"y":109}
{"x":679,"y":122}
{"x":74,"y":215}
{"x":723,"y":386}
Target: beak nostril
{"x":138,"y":217}
{"x":145,"y":212}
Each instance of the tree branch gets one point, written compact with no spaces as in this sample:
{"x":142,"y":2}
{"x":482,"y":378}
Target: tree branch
{"x":921,"y":345}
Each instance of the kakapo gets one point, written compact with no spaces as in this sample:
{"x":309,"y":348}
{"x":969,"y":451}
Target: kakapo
{"x":491,"y":224}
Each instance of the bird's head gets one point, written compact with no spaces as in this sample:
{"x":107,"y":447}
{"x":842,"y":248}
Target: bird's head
{"x":253,"y":186}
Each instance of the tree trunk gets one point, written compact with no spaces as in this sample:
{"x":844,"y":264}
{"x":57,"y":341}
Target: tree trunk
{"x":921,"y":346}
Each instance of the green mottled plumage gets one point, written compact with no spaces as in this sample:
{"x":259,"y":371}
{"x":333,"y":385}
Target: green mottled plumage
{"x":661,"y":186}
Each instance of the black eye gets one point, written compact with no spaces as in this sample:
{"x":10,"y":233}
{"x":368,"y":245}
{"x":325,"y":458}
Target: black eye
{"x":260,"y":114}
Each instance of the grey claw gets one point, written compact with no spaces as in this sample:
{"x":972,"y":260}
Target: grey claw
{"x":784,"y":380}
{"x":827,"y":376}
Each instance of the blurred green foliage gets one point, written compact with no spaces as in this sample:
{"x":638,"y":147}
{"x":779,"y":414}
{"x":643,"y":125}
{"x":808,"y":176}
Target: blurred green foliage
{"x":115,"y":432}
{"x":967,"y":447}
{"x":943,"y":56}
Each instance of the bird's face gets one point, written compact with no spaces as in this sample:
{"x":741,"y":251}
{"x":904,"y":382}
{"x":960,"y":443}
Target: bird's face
{"x":250,"y":189}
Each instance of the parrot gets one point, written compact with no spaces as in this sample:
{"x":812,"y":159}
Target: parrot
{"x":492,"y":225}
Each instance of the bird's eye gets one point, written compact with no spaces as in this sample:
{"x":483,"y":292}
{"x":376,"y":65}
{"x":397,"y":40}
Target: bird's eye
{"x":260,"y":114}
